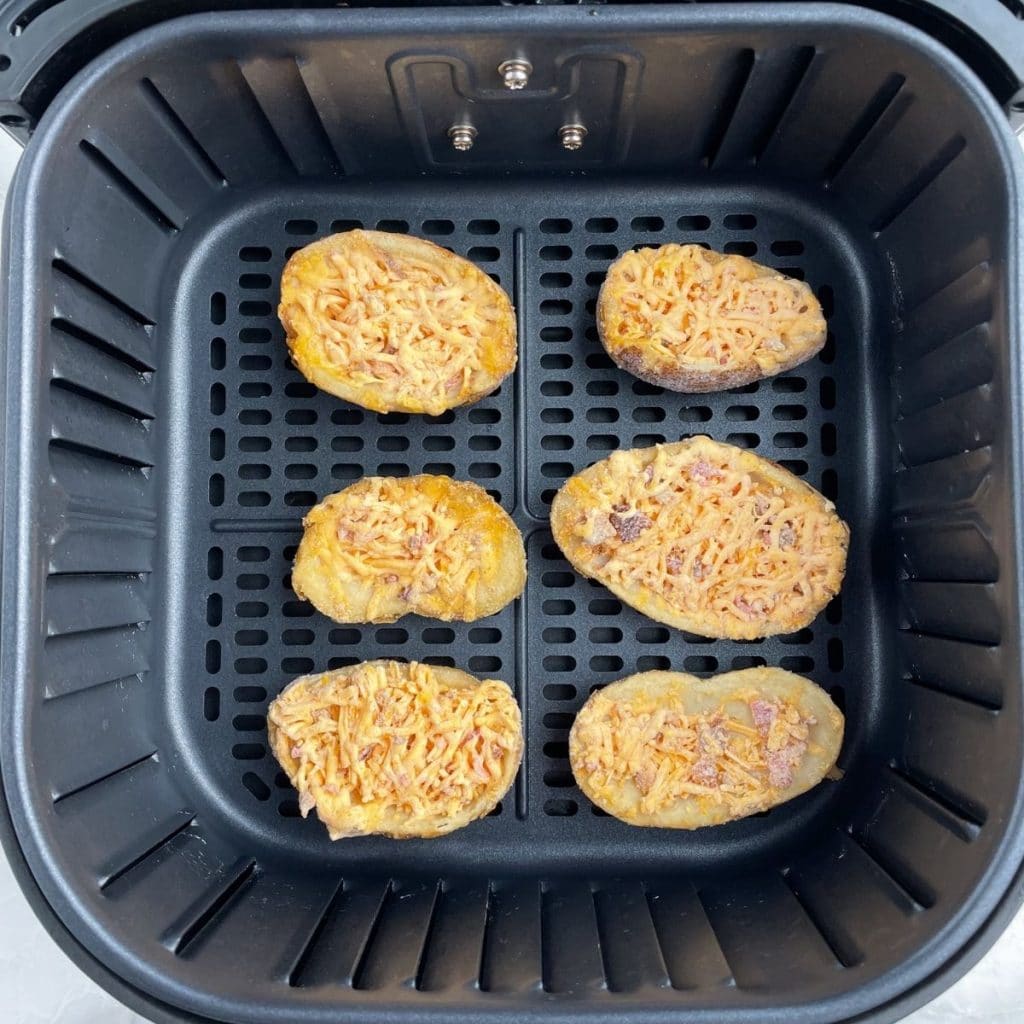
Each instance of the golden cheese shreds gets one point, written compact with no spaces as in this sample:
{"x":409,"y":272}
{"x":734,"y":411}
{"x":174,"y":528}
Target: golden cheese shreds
{"x":398,"y":749}
{"x":395,"y":323}
{"x":693,"y":320}
{"x":386,"y":546}
{"x":704,"y":536}
{"x":669,"y":749}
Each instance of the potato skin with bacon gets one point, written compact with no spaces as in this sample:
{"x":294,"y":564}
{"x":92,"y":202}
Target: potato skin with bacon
{"x":693,"y":320}
{"x":397,"y":749}
{"x":671,"y":750}
{"x":388,"y":546}
{"x":395,"y":323}
{"x":705,"y":537}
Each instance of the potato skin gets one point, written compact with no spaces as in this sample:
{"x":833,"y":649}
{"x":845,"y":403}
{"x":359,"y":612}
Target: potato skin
{"x":486,"y":566}
{"x":636,"y":347}
{"x":582,"y":502}
{"x":355,"y":377}
{"x":656,"y":692}
{"x":321,"y":691}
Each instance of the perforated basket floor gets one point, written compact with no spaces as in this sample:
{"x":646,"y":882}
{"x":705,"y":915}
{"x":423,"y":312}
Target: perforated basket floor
{"x":264,"y":445}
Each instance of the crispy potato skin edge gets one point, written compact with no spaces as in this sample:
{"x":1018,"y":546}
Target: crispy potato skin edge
{"x":503,"y":345}
{"x":565,"y":509}
{"x":690,"y":380}
{"x":502,"y":586}
{"x":404,"y":827}
{"x":766,"y":681}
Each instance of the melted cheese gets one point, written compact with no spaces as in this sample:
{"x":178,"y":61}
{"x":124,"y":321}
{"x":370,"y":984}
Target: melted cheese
{"x":684,"y":303}
{"x":388,"y":545}
{"x":709,"y":536}
{"x":382,"y":742}
{"x":738,"y":756}
{"x":415,"y":327}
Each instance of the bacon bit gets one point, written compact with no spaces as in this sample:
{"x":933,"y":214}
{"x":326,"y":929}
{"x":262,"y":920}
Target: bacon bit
{"x":405,"y":593}
{"x":416,"y":542}
{"x":644,"y":778}
{"x":787,"y":537}
{"x":296,"y":751}
{"x":629,"y":527}
{"x":780,"y":764}
{"x":648,"y":473}
{"x":366,"y":752}
{"x":620,"y":506}
{"x":747,"y":610}
{"x":673,"y":565}
{"x":706,"y":773}
{"x":454,"y":381}
{"x":763,"y":714}
{"x":306,"y":802}
{"x":703,"y":472}
{"x":700,"y":570}
{"x":391,"y":578}
{"x":761,"y":505}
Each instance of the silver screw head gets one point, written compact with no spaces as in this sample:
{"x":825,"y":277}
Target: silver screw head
{"x":463,"y":136}
{"x":572,"y":136}
{"x":515,"y":73}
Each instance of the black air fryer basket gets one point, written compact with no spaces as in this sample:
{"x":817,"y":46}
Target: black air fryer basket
{"x":160,"y":452}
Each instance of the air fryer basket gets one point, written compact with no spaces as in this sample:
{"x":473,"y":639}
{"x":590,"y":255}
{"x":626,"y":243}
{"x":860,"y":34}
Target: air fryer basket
{"x":161,"y":451}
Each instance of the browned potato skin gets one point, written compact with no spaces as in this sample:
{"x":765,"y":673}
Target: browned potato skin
{"x":690,"y":812}
{"x":566,"y":507}
{"x":318,"y":578}
{"x":696,"y":377}
{"x":307,"y":266}
{"x":402,"y":826}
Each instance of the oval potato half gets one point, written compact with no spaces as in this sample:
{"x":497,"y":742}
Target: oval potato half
{"x":387,"y":546}
{"x":396,"y":749}
{"x":395,"y":323}
{"x":692,"y":320}
{"x":704,"y":536}
{"x":670,"y":750}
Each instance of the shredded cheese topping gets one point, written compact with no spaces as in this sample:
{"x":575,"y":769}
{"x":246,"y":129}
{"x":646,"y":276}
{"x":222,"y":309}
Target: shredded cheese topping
{"x":725,"y":757}
{"x":383,"y":741}
{"x":683,"y":302}
{"x":710,"y":538}
{"x":415,"y":538}
{"x":412,"y":322}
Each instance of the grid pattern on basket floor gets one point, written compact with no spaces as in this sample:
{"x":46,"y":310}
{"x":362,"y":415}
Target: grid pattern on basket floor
{"x":277,"y":445}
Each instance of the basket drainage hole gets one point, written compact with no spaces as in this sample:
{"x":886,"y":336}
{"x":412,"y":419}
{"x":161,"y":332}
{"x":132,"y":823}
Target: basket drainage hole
{"x":256,"y":786}
{"x":211,"y":704}
{"x":560,"y":808}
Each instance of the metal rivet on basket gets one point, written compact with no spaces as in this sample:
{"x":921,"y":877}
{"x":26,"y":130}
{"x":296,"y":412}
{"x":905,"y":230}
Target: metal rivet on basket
{"x":515,"y":73}
{"x":572,"y":136}
{"x":463,"y":136}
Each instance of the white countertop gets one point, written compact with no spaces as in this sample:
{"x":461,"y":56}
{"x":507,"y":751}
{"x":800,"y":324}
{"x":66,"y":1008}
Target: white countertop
{"x":40,"y":985}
